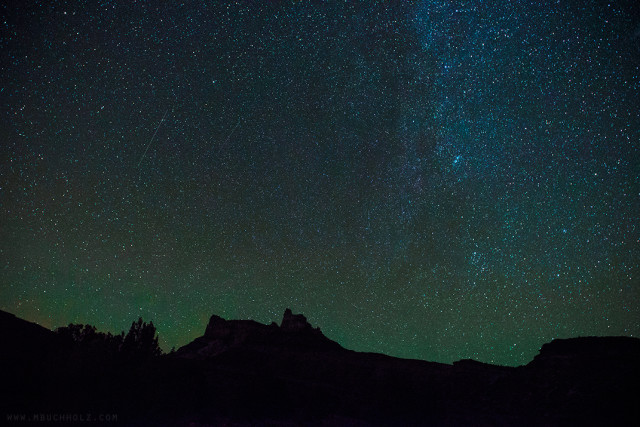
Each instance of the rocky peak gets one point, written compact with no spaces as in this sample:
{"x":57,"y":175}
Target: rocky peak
{"x":294,"y":322}
{"x":221,"y":335}
{"x":217,"y":327}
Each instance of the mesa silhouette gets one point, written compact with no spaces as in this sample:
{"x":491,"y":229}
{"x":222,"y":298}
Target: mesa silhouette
{"x":242,"y":372}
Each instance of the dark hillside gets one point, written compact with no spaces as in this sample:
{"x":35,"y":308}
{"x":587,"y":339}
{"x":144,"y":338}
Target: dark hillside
{"x":244,"y":372}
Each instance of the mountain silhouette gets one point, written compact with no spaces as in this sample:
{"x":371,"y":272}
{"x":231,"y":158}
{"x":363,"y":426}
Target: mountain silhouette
{"x":241,"y":372}
{"x":294,"y":334}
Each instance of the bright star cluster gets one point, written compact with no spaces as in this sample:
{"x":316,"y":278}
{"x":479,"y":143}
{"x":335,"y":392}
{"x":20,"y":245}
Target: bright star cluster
{"x":429,"y":179}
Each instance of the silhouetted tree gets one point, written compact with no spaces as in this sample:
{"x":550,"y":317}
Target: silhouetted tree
{"x":141,"y":341}
{"x":90,"y":341}
{"x":78,"y":333}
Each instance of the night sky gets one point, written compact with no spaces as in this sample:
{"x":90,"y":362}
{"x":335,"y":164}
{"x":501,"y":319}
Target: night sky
{"x":432,"y":179}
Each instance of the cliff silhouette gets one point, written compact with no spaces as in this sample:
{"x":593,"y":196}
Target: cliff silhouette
{"x":241,"y":372}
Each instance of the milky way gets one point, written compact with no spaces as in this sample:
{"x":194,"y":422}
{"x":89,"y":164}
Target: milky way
{"x":435,"y":179}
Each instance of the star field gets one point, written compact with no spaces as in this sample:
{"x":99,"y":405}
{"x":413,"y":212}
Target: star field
{"x":432,"y":179}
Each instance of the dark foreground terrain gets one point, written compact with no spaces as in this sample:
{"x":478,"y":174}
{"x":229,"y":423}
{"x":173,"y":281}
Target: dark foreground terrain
{"x":244,"y":373}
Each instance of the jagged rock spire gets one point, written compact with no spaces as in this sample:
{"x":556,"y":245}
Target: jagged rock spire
{"x":294,"y":322}
{"x":217,"y":327}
